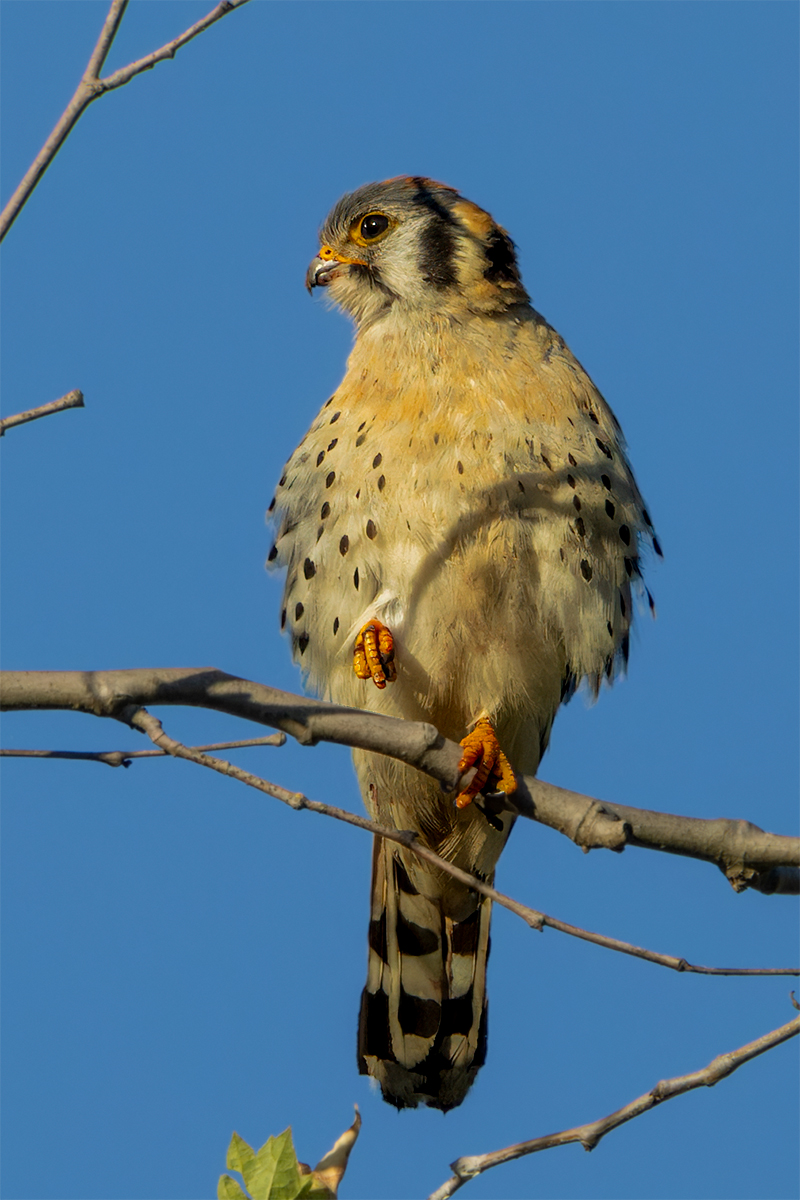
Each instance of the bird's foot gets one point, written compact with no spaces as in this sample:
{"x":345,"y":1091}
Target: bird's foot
{"x":373,"y":657}
{"x":482,"y":750}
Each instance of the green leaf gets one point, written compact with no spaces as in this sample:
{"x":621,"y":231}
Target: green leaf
{"x":228,"y":1189}
{"x":239,"y":1154}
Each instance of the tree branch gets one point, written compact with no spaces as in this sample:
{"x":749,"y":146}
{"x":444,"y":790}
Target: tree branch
{"x":124,"y":758}
{"x":139,"y":718}
{"x":589,"y":1135}
{"x":91,"y":87}
{"x":747,"y":855}
{"x":73,"y":399}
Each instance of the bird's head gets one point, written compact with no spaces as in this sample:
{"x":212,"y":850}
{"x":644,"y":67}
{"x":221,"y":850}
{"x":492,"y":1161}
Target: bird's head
{"x":416,"y":244}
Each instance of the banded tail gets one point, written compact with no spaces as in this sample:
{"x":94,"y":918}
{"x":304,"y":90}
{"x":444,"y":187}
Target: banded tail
{"x":422,"y":1025}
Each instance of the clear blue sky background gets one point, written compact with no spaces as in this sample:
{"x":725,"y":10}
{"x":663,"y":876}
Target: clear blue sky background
{"x":183,"y":957}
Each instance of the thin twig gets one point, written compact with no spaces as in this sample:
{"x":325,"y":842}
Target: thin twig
{"x":747,"y":855}
{"x":73,"y":399}
{"x":468,"y":1167}
{"x":123,"y":758}
{"x":92,"y":86}
{"x":139,"y":718}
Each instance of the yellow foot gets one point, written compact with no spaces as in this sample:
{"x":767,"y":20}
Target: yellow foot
{"x":482,"y":748}
{"x":374,"y":654}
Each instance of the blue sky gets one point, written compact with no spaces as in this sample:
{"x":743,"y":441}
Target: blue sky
{"x":183,"y":957}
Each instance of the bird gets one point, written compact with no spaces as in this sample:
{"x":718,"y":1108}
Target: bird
{"x":462,"y":537}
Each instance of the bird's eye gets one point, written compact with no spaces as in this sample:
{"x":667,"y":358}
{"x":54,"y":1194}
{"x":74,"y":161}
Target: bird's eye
{"x":370,"y":228}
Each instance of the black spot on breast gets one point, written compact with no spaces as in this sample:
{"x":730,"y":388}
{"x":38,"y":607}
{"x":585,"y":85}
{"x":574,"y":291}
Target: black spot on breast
{"x":436,"y":439}
{"x":377,"y":460}
{"x":282,"y":480}
{"x":381,"y":482}
{"x":309,"y":569}
{"x":325,"y":511}
{"x":610,"y":628}
{"x":302,"y":642}
{"x":272,"y":504}
{"x":344,"y":544}
{"x":335,"y":416}
{"x":331,"y":444}
{"x":358,"y":494}
{"x":623,"y":608}
{"x":414,"y":939}
{"x":625,"y":534}
{"x":657,"y":547}
{"x":594,"y":417}
{"x":298,"y":611}
{"x":651,"y":601}
{"x":320,"y":457}
{"x":355,"y":579}
{"x":610,"y":509}
{"x":330,"y":400}
{"x":606,"y":482}
{"x":580,"y":528}
{"x":460,"y":467}
{"x":629,"y":566}
{"x":571,"y":480}
{"x":362,"y":437}
{"x":330,"y":478}
{"x":586,"y":570}
{"x":625,"y":647}
{"x":520,"y":485}
{"x":576,"y":503}
{"x":372,"y":529}
{"x":402,"y":880}
{"x":361,"y":426}
{"x":571,"y":461}
{"x":283,"y":618}
{"x":546,"y":462}
{"x":602,"y":446}
{"x":273,"y":554}
{"x":420,"y":1017}
{"x":502,"y":261}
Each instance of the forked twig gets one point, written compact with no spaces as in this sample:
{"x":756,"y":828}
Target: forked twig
{"x":123,"y":758}
{"x":92,"y":86}
{"x":468,"y":1167}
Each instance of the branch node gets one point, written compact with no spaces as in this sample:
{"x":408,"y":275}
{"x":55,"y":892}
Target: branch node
{"x":467,"y":1167}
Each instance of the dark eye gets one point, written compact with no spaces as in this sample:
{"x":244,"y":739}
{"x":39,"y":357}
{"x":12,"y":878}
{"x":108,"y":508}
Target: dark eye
{"x":373,"y":225}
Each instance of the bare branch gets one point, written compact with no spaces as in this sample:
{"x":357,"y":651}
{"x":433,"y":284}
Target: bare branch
{"x":125,"y":74}
{"x":747,"y":855}
{"x":91,"y":87}
{"x":139,"y":718}
{"x":73,"y":399}
{"x":589,"y":1135}
{"x":123,"y":758}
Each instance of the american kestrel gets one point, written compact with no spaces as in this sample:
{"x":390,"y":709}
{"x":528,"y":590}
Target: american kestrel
{"x":461,"y":531}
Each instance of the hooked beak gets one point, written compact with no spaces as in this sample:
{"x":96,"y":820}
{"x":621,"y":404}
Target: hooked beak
{"x":323,"y":268}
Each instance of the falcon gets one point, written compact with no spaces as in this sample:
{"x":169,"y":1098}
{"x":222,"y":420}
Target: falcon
{"x":461,"y":533}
